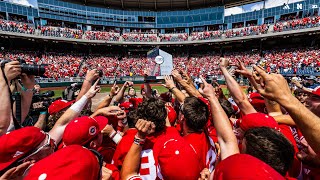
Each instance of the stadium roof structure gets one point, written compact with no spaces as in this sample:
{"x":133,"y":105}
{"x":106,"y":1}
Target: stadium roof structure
{"x":161,"y":5}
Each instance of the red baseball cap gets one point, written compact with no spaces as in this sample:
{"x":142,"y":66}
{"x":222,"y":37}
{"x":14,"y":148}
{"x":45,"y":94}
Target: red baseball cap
{"x":135,"y":101}
{"x":59,"y":105}
{"x":244,"y":166}
{"x":126,"y":106}
{"x":80,"y":131}
{"x":257,"y":101}
{"x":142,"y":87}
{"x":172,"y":115}
{"x":316,"y":91}
{"x":176,"y":158}
{"x":102,"y":121}
{"x":18,"y":143}
{"x":254,"y":120}
{"x":72,"y":162}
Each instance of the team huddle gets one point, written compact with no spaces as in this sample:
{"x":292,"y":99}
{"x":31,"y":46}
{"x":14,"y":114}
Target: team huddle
{"x":192,"y":131}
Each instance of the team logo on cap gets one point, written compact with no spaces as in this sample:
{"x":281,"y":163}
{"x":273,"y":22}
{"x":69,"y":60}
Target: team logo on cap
{"x":92,"y":130}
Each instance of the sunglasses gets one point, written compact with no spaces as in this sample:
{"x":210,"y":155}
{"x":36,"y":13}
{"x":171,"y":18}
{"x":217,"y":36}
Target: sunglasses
{"x":49,"y":143}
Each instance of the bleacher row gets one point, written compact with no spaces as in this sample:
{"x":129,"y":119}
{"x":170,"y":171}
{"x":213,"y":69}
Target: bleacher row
{"x":279,"y":26}
{"x":65,"y":65}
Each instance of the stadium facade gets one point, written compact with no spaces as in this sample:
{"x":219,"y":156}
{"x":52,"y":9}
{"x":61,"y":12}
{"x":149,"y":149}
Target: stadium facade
{"x":160,"y":22}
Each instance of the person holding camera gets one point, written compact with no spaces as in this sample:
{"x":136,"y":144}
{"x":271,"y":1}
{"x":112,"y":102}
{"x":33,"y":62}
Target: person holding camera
{"x":10,"y":71}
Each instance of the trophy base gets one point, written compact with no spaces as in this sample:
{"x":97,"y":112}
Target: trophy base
{"x":151,"y":79}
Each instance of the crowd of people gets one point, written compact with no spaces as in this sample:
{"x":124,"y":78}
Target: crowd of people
{"x":139,"y":37}
{"x":136,"y":36}
{"x":190,"y":131}
{"x":247,"y":31}
{"x":294,"y":24}
{"x":173,"y":37}
{"x":61,"y":32}
{"x":101,"y":35}
{"x":66,"y":65}
{"x":207,"y":35}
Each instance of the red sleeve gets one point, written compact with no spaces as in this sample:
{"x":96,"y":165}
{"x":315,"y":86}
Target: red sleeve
{"x":115,"y":172}
{"x":122,"y":148}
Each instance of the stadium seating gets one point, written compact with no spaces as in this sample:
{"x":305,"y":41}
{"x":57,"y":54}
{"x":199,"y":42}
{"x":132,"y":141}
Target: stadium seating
{"x":285,"y":61}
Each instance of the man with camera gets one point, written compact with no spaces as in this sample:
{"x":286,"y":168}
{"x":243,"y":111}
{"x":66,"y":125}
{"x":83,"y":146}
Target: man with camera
{"x":10,"y":72}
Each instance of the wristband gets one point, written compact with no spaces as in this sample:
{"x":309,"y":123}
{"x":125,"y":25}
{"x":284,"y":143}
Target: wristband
{"x":117,"y":138}
{"x":112,"y":134}
{"x":26,"y":90}
{"x":79,"y":105}
{"x":139,"y":141}
{"x":43,"y":112}
{"x":170,"y":89}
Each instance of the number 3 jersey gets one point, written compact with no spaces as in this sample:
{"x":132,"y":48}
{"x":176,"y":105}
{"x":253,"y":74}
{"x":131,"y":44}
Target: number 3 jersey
{"x":149,"y":169}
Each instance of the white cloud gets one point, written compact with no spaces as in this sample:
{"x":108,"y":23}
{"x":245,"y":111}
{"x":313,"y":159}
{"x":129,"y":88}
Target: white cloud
{"x":233,"y":10}
{"x":255,"y":7}
{"x":32,"y":3}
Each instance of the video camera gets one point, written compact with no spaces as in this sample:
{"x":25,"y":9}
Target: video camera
{"x":71,"y":92}
{"x":29,"y":69}
{"x":41,"y":102}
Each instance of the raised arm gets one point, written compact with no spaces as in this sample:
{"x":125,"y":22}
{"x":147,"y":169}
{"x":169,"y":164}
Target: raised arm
{"x":107,"y":100}
{"x":226,"y":138}
{"x":131,"y":163}
{"x":91,"y":76}
{"x":235,"y":90}
{"x":26,"y":94}
{"x":74,"y":111}
{"x":11,"y":71}
{"x":120,"y":95}
{"x":276,"y":88}
{"x":169,"y":84}
{"x":300,"y":86}
{"x":185,"y":84}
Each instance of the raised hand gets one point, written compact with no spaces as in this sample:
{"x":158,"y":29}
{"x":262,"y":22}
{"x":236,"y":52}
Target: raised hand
{"x":271,"y":86}
{"x":176,"y":75}
{"x":169,"y":83}
{"x":92,"y":75}
{"x":128,"y":84}
{"x":93,"y":90}
{"x":243,"y":70}
{"x":144,"y":128}
{"x":207,"y":91}
{"x":114,"y":89}
{"x":224,"y":62}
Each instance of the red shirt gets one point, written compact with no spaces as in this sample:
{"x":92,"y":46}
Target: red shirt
{"x":148,"y":168}
{"x":204,"y":148}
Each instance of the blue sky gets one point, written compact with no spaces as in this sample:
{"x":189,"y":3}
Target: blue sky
{"x":257,"y":6}
{"x":32,"y":3}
